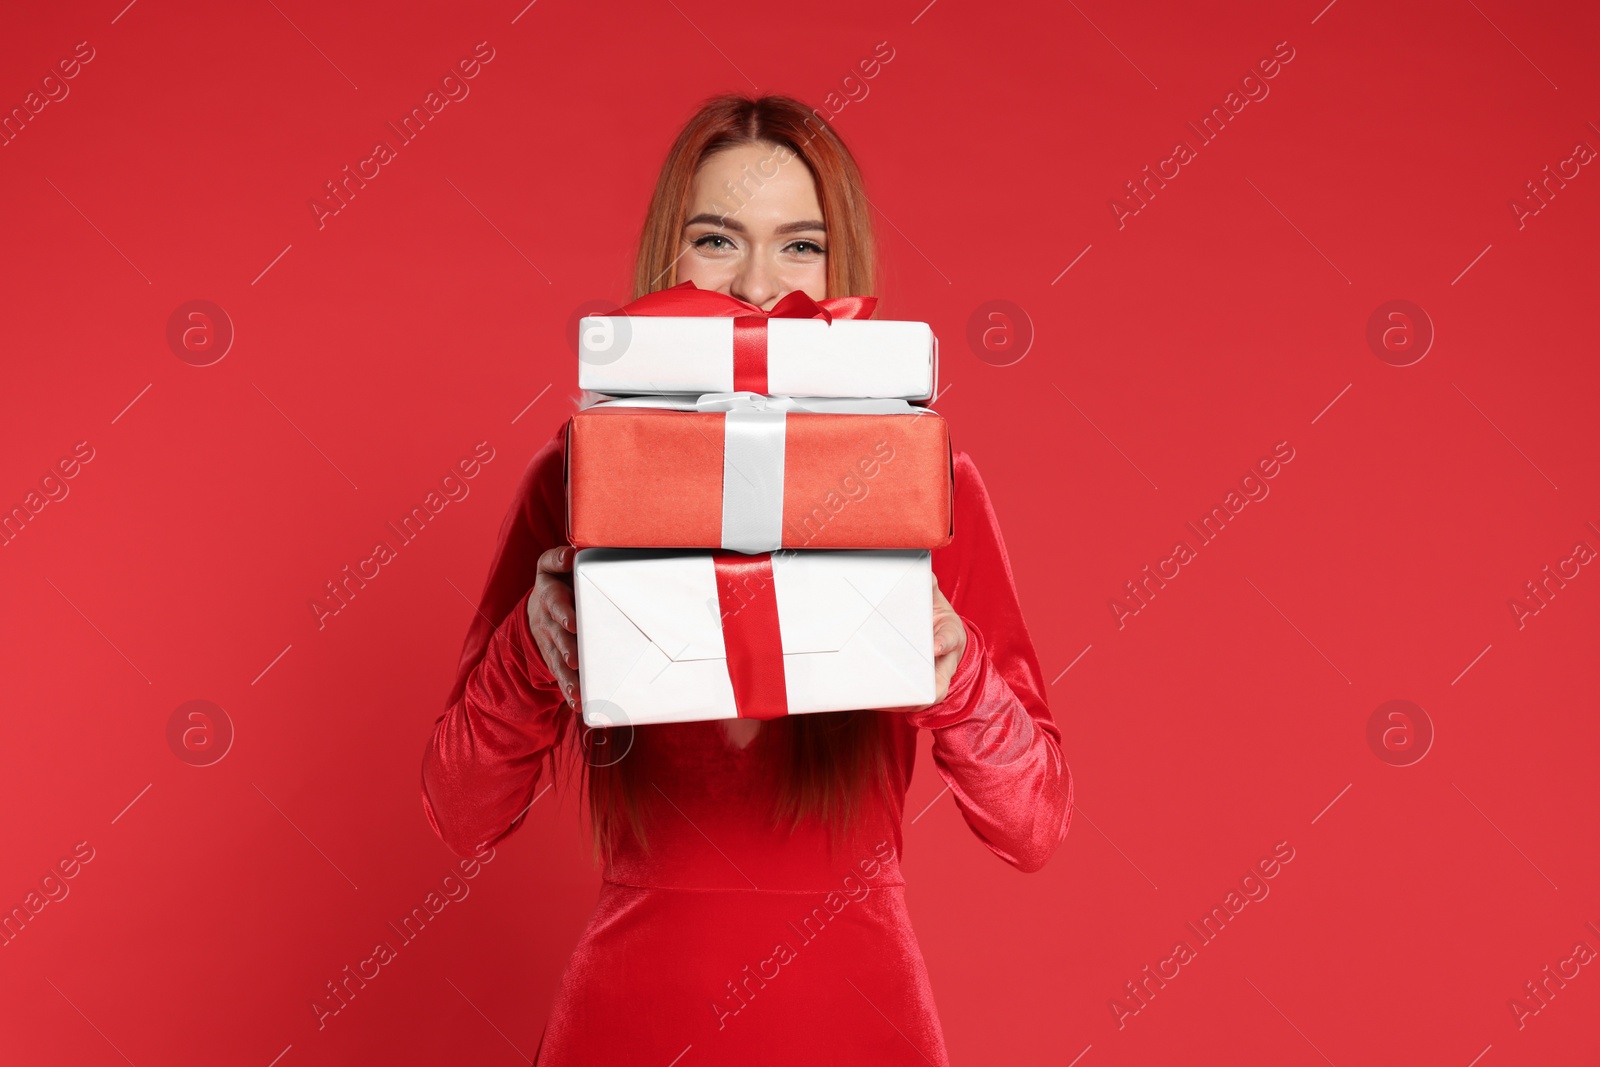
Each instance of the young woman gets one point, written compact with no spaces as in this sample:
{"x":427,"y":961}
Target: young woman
{"x":752,"y":908}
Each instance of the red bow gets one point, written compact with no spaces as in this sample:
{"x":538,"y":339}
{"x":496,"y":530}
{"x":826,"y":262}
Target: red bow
{"x":750,"y":634}
{"x":749,"y":321}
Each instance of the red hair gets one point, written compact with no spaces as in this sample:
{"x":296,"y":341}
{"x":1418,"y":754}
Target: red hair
{"x":792,"y":130}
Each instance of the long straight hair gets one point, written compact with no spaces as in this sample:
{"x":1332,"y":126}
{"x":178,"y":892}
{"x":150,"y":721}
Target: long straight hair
{"x":823,"y":763}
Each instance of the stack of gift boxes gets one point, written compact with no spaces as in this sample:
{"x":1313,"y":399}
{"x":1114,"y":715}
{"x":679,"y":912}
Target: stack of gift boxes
{"x":754,"y":509}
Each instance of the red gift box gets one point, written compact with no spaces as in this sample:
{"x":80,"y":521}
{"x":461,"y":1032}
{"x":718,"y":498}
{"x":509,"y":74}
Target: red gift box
{"x":755,"y":473}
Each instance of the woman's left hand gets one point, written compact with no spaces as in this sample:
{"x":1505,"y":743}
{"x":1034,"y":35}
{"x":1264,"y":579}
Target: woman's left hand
{"x":949,"y":642}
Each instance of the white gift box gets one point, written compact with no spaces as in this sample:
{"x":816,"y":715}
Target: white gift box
{"x":856,"y":630}
{"x":632,"y":355}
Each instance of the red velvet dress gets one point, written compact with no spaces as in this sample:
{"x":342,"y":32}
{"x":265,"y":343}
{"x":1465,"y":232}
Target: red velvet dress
{"x":730,"y":942}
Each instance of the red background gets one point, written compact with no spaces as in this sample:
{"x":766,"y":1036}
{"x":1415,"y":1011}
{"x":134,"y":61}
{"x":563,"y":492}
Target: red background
{"x":1229,"y":314}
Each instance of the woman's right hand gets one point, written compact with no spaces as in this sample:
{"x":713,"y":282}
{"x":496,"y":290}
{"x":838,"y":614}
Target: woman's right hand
{"x":553,"y":619}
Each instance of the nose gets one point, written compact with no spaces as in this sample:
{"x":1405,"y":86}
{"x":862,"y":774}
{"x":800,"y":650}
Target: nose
{"x":756,"y":283}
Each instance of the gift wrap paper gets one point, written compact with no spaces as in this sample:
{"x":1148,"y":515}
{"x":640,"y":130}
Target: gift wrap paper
{"x":660,"y":641}
{"x":628,"y":355}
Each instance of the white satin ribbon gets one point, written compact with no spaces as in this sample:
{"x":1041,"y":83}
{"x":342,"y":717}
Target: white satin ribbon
{"x":752,"y":479}
{"x":820,"y":404}
{"x":760,"y":402}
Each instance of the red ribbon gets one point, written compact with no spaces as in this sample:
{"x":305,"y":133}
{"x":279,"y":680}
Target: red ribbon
{"x":749,"y":602}
{"x":749,"y":321}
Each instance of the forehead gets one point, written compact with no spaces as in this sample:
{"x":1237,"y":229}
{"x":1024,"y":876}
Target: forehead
{"x":761,"y":185}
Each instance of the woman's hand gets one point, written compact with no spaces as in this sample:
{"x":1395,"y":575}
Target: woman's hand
{"x":949,"y":642}
{"x":554,"y":621}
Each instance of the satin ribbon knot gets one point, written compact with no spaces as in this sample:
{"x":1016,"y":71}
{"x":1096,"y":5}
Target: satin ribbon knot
{"x":749,"y":321}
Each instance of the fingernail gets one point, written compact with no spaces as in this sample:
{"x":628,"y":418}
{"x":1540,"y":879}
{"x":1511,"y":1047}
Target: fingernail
{"x":569,"y":689}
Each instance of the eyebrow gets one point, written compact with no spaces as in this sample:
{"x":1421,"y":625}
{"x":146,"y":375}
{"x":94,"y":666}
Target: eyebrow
{"x":729,"y":223}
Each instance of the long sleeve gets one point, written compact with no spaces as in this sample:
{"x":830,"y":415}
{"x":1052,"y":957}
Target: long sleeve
{"x":504,"y":715}
{"x":994,"y":740}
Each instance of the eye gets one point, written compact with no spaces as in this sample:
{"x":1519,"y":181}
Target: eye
{"x":709,"y":241}
{"x":806,"y":248}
